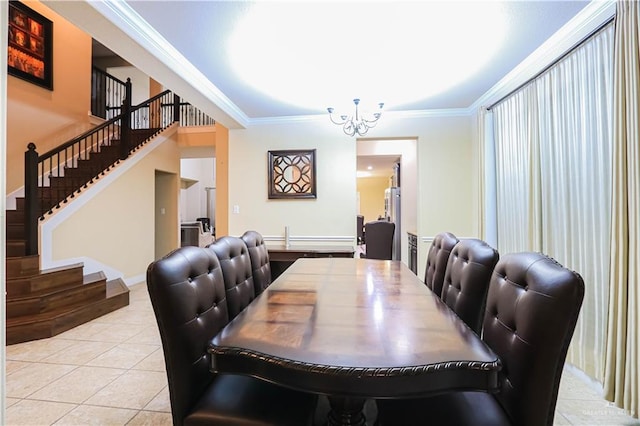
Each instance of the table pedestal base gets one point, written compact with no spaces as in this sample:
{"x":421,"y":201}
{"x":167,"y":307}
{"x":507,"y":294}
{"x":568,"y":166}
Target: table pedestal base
{"x":346,"y":411}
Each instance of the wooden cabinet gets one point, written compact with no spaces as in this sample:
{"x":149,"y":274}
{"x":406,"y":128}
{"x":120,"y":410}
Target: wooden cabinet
{"x":413,"y":252}
{"x":281,"y":257}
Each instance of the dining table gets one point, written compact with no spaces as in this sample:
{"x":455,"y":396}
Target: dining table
{"x":354,"y":330}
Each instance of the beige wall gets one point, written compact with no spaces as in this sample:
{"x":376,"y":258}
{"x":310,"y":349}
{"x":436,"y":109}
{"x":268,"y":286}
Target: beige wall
{"x":48,"y":118}
{"x":444,"y":186}
{"x":115,"y":225}
{"x":330,"y":217}
{"x":371,"y":190}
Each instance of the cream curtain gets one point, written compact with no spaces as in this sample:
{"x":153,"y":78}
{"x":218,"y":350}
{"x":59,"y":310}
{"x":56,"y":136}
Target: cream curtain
{"x":517,"y":172}
{"x":553,"y":168}
{"x":621,"y":381}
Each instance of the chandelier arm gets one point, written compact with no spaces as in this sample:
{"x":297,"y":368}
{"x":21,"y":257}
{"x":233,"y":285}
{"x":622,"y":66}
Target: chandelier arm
{"x":339,"y":123}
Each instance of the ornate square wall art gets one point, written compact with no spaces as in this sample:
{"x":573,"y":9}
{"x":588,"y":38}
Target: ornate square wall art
{"x":292,"y":174}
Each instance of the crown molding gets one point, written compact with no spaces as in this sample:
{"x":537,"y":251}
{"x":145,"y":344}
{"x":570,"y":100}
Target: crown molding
{"x":451,"y":112}
{"x":129,"y":21}
{"x":111,"y":20}
{"x":589,"y":19}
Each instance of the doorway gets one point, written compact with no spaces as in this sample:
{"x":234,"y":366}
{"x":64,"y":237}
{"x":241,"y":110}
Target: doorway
{"x":166,"y":212}
{"x":376,"y":163}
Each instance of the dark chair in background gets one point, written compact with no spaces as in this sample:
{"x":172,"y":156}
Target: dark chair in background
{"x":235,"y":262}
{"x":532,"y":309}
{"x":437,"y":259}
{"x":259,"y":255}
{"x":379,"y":235}
{"x":466,"y":280}
{"x":360,"y":229}
{"x":189,"y":301}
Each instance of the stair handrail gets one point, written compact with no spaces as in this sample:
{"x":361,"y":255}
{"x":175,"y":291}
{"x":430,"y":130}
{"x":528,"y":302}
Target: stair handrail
{"x":156,"y":111}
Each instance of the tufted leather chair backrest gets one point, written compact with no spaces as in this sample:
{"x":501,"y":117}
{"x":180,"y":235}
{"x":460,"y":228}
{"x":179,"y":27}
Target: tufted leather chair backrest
{"x":187,"y":292}
{"x":236,"y":269}
{"x":379,"y":239}
{"x":466,"y":280}
{"x":532,"y":309}
{"x":259,"y":255}
{"x":437,"y":259}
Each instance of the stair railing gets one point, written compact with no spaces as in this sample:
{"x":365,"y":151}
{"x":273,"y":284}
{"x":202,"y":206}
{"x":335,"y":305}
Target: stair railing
{"x":107,"y":94}
{"x":46,"y":187}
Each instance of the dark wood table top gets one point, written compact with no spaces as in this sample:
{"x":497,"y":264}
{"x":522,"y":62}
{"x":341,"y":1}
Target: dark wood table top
{"x":354,"y":327}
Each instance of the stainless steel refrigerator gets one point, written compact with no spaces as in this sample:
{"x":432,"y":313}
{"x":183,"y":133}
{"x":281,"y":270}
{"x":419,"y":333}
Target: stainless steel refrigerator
{"x":392,"y":214}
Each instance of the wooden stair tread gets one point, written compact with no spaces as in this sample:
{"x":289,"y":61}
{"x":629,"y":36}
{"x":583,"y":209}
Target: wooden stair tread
{"x":22,"y":266}
{"x":116,"y":287}
{"x":49,"y":324}
{"x":116,"y":290}
{"x":41,"y":282}
{"x":87,"y":280}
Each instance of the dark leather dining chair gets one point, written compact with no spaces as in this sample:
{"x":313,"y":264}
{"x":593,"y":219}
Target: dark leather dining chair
{"x":437,"y":259}
{"x":379,"y":235}
{"x":259,"y":256}
{"x":187,"y":292}
{"x":466,"y":280}
{"x":532,"y":309}
{"x":235,"y":262}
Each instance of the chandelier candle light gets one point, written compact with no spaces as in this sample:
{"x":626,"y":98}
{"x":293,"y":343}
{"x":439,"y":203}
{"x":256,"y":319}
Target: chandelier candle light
{"x":356,"y":123}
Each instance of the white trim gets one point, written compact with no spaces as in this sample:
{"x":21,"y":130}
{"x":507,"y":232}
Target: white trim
{"x":429,"y":240}
{"x":147,"y":50}
{"x":51,"y":222}
{"x":136,"y":279}
{"x":313,"y":238}
{"x":452,"y":112}
{"x":4,"y":22}
{"x":580,"y":26}
{"x":129,"y":21}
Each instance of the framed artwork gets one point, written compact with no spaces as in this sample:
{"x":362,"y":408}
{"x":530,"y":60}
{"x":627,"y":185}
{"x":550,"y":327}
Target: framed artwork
{"x":30,"y":48}
{"x":292,"y":174}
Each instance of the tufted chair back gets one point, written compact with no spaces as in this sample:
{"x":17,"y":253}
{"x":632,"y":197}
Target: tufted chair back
{"x":532,"y":309}
{"x":379,"y":239}
{"x":187,"y":292}
{"x":259,"y":255}
{"x":236,"y":269}
{"x":437,"y":259}
{"x":466,"y":280}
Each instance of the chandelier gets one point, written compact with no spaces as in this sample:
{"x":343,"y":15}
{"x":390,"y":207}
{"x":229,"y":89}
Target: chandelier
{"x":356,"y":123}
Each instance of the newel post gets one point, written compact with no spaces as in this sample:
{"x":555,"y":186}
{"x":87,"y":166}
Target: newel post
{"x":32,"y":202}
{"x":176,"y":108}
{"x":125,"y":131}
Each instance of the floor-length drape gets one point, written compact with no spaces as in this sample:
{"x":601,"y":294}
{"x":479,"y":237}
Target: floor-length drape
{"x":621,"y":381}
{"x":517,"y":173}
{"x":553,"y":162}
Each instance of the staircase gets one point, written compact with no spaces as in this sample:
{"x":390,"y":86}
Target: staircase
{"x":43,"y":303}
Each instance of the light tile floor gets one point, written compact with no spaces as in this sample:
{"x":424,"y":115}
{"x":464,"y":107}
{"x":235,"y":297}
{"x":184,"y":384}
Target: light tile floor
{"x":110,"y":371}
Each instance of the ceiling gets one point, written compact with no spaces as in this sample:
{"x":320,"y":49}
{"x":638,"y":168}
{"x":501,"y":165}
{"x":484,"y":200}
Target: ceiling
{"x":285,"y":60}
